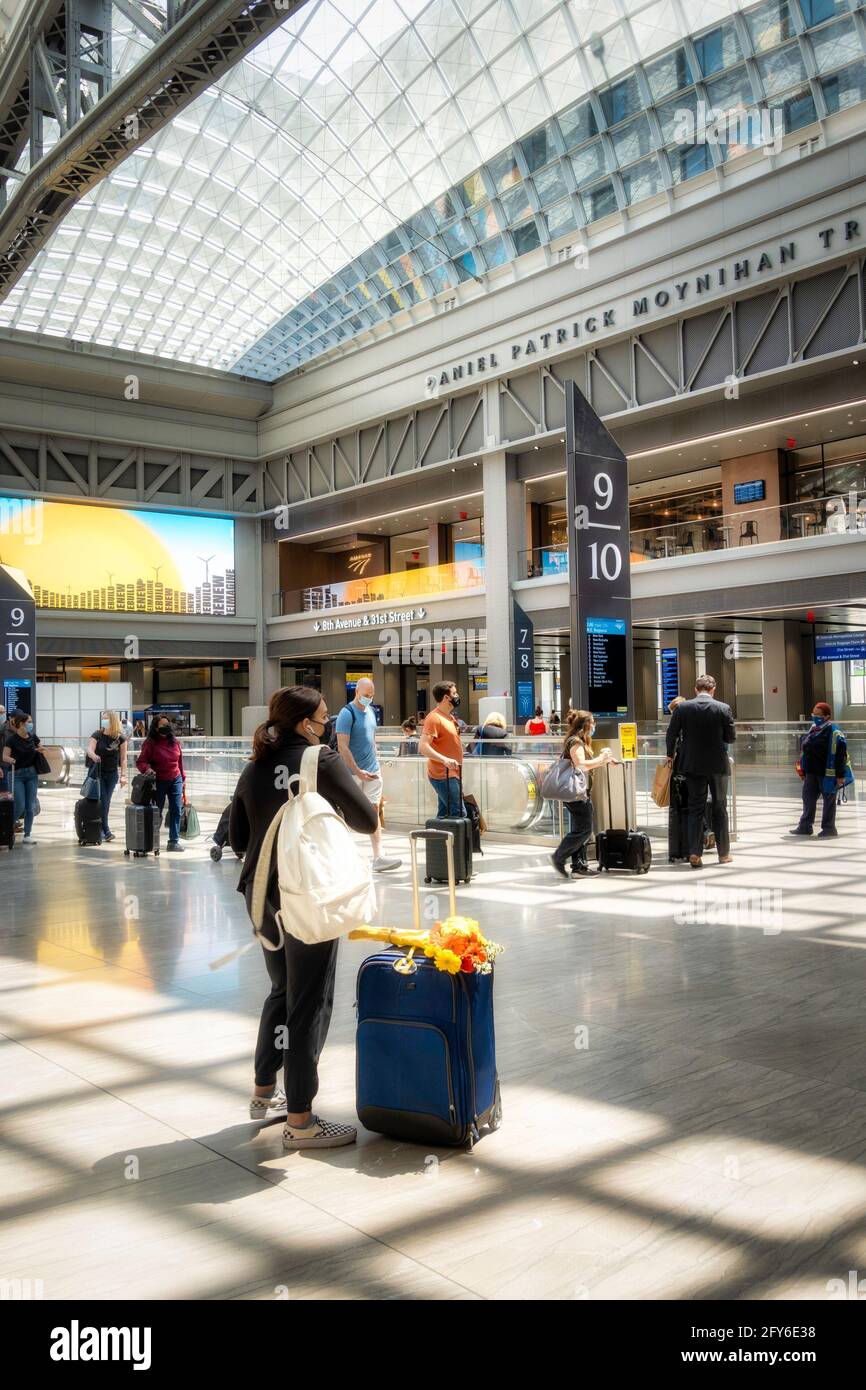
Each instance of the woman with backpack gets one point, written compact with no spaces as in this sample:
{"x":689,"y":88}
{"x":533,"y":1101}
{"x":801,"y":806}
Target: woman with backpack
{"x":577,"y":746}
{"x":298,"y":1008}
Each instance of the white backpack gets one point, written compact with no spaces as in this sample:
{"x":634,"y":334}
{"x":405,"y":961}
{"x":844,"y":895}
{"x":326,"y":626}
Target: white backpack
{"x":326,"y":886}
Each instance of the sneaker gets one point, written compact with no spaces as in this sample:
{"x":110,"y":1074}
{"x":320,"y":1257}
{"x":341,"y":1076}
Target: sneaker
{"x":174,"y":847}
{"x":28,"y":840}
{"x":216,"y":854}
{"x":827,"y":834}
{"x":560,"y":868}
{"x":108,"y":837}
{"x":269,"y":1107}
{"x":696,"y":861}
{"x":798,"y":831}
{"x":583,"y":871}
{"x":318,"y":1134}
{"x":726,"y":859}
{"x":383,"y":865}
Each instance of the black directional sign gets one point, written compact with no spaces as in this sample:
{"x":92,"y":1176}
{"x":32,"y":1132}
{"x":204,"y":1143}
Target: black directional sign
{"x":17,"y":642}
{"x":524,"y":665}
{"x":598,"y":560}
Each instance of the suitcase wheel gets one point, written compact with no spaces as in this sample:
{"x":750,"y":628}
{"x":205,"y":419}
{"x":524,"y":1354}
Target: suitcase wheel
{"x":428,"y":879}
{"x":496,"y":1113}
{"x":126,"y":852}
{"x":156,"y":854}
{"x":468,"y":878}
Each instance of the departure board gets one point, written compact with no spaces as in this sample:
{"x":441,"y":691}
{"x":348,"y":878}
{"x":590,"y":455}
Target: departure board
{"x":607,"y":667}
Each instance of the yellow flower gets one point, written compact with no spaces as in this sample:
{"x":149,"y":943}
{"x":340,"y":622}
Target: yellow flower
{"x":446,"y":960}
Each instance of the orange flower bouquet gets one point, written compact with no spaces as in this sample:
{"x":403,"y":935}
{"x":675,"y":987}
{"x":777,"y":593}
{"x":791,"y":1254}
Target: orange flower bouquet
{"x":454,"y":945}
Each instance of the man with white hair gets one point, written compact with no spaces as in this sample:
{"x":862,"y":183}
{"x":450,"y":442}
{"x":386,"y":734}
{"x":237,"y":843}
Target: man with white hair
{"x":356,"y":744}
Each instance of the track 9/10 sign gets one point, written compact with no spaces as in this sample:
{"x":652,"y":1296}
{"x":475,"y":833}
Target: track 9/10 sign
{"x":599,"y":568}
{"x":17,"y":644}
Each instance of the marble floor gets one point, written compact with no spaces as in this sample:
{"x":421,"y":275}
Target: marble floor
{"x":683,"y":1064}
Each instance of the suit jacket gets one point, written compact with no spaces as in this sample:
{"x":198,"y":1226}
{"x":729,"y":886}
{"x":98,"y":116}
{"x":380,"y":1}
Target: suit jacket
{"x":706,"y":727}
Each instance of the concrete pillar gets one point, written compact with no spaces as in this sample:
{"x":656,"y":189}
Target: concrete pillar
{"x":388,"y":692}
{"x":785,"y":677}
{"x":504,"y":518}
{"x":645,"y":684}
{"x":334,"y":684}
{"x":264,"y":670}
{"x":723,"y":669}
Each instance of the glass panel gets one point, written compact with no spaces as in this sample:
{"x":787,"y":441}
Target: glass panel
{"x":835,"y":45}
{"x":845,"y":88}
{"x":816,"y":11}
{"x":526,"y":238}
{"x":550,"y":184}
{"x":782,"y":70}
{"x":561,"y":219}
{"x":504,"y":171}
{"x":731,"y":91}
{"x":688,"y":161}
{"x":471,"y":191}
{"x":668,"y":74}
{"x":799,"y":110}
{"x":770,"y":24}
{"x":718,"y":49}
{"x":495,"y":252}
{"x":632,"y":140}
{"x":515,"y":204}
{"x":599,"y":201}
{"x":483,"y":222}
{"x":457,"y":237}
{"x":538,"y":148}
{"x":642,"y":181}
{"x":678,"y":117}
{"x":588,"y":163}
{"x":621,"y":101}
{"x":577,"y":124}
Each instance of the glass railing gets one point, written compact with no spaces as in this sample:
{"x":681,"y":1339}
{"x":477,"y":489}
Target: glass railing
{"x":749,"y":525}
{"x":398,"y":587}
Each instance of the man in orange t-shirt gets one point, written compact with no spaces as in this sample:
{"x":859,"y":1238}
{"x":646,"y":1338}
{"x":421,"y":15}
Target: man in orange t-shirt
{"x":440,"y":745}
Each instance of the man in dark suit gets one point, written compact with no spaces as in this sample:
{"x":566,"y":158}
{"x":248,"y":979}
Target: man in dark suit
{"x":706,"y":727}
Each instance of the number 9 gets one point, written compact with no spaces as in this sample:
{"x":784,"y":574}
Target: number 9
{"x":603,"y":490}
{"x":17,"y":617}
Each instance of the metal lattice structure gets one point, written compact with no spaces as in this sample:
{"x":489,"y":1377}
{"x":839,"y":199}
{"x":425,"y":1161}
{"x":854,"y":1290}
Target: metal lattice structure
{"x":804,"y":318}
{"x":58,"y":66}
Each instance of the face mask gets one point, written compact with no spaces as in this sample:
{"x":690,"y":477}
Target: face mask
{"x":29,"y":726}
{"x":455,"y":701}
{"x":817,"y":719}
{"x":105,"y":723}
{"x":366,"y":700}
{"x":592,"y":730}
{"x":163,"y":731}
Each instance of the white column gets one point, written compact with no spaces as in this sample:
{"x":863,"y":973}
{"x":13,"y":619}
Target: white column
{"x":503,"y":539}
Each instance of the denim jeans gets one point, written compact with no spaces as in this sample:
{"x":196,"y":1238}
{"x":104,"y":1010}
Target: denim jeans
{"x":447,"y":790}
{"x":26,"y":788}
{"x":107,"y":783}
{"x":174,"y":792}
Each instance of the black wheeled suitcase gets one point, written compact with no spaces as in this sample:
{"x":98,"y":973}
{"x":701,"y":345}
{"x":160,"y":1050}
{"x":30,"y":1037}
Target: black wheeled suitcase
{"x":88,"y":821}
{"x":7,"y":811}
{"x":436,"y":862}
{"x":622,"y":849}
{"x":142,"y":830}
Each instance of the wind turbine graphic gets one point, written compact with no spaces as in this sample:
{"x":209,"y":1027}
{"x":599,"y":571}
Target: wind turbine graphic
{"x":156,"y":569}
{"x":206,"y":559}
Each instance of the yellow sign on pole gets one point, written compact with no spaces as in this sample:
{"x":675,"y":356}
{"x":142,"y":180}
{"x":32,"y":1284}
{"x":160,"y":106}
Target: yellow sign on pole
{"x":628,"y":742}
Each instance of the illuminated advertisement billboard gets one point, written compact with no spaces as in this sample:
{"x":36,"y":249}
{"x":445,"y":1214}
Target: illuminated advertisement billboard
{"x":110,"y":559}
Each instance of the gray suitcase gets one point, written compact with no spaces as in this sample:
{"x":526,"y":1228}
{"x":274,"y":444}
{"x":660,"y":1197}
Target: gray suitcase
{"x":142,"y":830}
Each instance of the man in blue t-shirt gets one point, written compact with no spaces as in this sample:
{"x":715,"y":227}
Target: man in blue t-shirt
{"x":356,"y":744}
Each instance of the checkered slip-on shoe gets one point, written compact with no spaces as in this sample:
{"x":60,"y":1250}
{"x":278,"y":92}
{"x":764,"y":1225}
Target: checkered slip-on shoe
{"x":318,"y":1134}
{"x":269,"y":1107}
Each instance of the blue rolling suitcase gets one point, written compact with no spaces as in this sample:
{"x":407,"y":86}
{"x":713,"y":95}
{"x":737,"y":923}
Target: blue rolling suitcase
{"x":426,"y":1053}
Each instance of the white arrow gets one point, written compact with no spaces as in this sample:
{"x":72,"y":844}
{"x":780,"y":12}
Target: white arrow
{"x":422,"y":613}
{"x":316,"y":625}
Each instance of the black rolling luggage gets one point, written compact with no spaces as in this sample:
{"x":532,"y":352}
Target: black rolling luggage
{"x":436,"y":864}
{"x":88,"y":821}
{"x":143,"y":789}
{"x":622,"y":849}
{"x":142,"y":830}
{"x":7,"y":812}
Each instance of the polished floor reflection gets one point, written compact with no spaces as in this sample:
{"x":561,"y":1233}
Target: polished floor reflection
{"x":683,"y":1063}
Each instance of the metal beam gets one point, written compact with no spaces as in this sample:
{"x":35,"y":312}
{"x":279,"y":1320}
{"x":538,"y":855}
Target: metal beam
{"x":208,"y":38}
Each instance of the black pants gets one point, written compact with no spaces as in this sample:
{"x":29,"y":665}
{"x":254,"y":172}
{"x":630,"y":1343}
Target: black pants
{"x":811,"y":792}
{"x":296,"y":1015}
{"x":574,"y":843}
{"x":716,"y":783}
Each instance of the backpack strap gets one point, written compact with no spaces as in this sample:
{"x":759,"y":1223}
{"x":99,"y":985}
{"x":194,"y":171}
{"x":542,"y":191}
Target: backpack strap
{"x":260,"y":882}
{"x":308,"y":780}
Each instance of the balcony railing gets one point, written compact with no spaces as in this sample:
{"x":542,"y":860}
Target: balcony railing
{"x":382,"y":588}
{"x":749,"y":525}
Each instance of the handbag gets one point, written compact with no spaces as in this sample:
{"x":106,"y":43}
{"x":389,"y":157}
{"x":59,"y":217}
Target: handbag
{"x":189,"y":823}
{"x":91,"y":789}
{"x":661,"y":788}
{"x":564,"y":782}
{"x":41,"y":763}
{"x":828,"y":781}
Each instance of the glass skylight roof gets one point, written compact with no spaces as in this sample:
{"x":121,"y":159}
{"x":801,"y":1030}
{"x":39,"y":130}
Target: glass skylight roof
{"x":371,"y":154}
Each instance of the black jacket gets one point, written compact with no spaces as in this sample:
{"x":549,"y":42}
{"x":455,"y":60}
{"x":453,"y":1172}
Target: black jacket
{"x":707,"y":727}
{"x":815,"y":747}
{"x":257,"y":800}
{"x":485,"y":747}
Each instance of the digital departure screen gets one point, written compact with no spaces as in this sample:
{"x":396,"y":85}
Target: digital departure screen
{"x":606,"y":652}
{"x":670,"y":675}
{"x":840,"y":646}
{"x":749,"y":492}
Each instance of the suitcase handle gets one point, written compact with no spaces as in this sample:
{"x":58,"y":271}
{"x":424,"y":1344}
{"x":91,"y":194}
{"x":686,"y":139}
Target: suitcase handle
{"x":414,"y":837}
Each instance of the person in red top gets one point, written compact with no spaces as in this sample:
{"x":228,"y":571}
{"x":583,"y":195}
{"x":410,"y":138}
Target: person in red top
{"x":161,"y":753}
{"x":536,"y":725}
